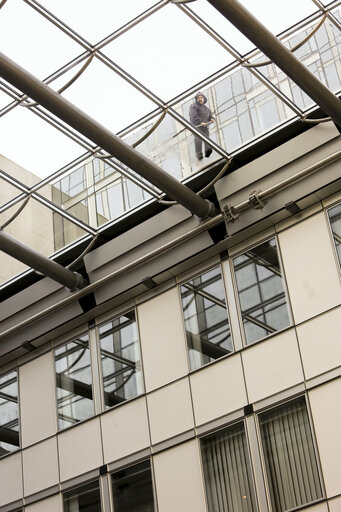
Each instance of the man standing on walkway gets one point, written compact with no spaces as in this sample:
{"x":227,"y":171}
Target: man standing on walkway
{"x":201,"y":117}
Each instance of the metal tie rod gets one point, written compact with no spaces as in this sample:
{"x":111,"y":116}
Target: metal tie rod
{"x":94,"y":131}
{"x":32,"y":258}
{"x":246,"y":23}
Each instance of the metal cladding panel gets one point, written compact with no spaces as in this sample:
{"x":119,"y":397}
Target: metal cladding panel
{"x":280,"y":164}
{"x":150,"y":269}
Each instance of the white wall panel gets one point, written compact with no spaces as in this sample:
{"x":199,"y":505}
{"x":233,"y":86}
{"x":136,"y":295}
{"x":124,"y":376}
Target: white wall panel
{"x":52,"y":504}
{"x":272,"y":365}
{"x":80,"y":449}
{"x":335,"y":505}
{"x":310,"y":268}
{"x":125,"y":430}
{"x":40,"y":465}
{"x":170,"y":411}
{"x":320,"y":345}
{"x":162,"y":340}
{"x":11,"y":487}
{"x":326,"y":412}
{"x":37,"y":399}
{"x":218,"y":389}
{"x":178,"y":479}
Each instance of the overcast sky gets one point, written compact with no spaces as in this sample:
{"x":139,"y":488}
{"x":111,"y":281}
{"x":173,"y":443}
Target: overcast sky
{"x":167,"y":53}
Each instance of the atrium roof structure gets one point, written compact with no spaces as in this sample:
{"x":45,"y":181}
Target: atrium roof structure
{"x":134,"y":67}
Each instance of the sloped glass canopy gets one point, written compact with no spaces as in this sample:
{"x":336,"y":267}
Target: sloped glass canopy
{"x":135,"y":68}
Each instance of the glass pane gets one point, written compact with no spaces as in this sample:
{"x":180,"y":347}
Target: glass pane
{"x":9,"y":413}
{"x":121,"y":362}
{"x":289,"y":454}
{"x":133,"y":489}
{"x":335,"y":221}
{"x":74,"y":382}
{"x":227,"y":471}
{"x":206,"y":321}
{"x":261,"y":291}
{"x":166,"y":64}
{"x":83,"y":499}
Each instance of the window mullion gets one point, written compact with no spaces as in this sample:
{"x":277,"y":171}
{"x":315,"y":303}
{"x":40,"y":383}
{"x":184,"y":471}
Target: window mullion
{"x":231,"y":304}
{"x":95,"y":368}
{"x":261,"y":491}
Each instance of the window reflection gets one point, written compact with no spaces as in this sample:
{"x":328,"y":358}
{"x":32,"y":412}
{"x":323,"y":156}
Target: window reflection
{"x":74,"y":382}
{"x":206,"y":321}
{"x":261,"y":291}
{"x":120,"y":356}
{"x":9,"y":413}
{"x":335,"y":222}
{"x":83,"y":499}
{"x":133,"y":489}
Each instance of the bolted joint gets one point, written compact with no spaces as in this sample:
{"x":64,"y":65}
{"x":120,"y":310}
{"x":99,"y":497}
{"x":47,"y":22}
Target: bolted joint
{"x":229,"y":213}
{"x":255,"y":200}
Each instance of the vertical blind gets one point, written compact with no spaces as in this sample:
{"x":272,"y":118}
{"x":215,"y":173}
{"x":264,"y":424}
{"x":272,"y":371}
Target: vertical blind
{"x":289,"y":455}
{"x":228,"y":480}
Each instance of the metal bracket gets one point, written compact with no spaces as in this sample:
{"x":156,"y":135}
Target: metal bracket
{"x":229,"y":213}
{"x":255,"y":201}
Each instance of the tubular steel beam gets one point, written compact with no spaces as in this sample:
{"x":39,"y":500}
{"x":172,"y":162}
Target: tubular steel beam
{"x":244,"y":21}
{"x":21,"y":252}
{"x":94,"y":131}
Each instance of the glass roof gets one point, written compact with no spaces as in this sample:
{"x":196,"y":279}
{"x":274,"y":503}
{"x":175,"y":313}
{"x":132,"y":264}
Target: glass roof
{"x":135,"y":66}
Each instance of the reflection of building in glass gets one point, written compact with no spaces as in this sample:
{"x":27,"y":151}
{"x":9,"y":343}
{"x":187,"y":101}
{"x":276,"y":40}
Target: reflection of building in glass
{"x":245,"y":109}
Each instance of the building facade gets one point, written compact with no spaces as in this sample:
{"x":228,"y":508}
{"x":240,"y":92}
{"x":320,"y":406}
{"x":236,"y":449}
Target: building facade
{"x":204,"y":376}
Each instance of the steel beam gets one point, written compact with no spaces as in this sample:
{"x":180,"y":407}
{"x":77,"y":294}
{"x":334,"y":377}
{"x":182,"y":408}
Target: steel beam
{"x":94,"y":131}
{"x":246,"y":23}
{"x":44,"y":265}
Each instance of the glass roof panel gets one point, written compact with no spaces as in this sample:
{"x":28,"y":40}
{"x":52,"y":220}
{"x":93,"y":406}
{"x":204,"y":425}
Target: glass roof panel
{"x":5,"y":99}
{"x":32,"y":41}
{"x":106,"y":97}
{"x":168,"y":52}
{"x":95,"y":20}
{"x":278,"y":16}
{"x":34,"y":144}
{"x":221,"y":25}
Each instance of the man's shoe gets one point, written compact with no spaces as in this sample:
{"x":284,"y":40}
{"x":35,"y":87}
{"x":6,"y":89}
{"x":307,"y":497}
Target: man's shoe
{"x":200,"y":156}
{"x":208,"y":152}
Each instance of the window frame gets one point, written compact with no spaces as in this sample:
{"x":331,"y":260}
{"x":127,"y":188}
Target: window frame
{"x":3,"y":373}
{"x":330,"y":231}
{"x":269,"y":408}
{"x":240,"y":252}
{"x":100,"y":322}
{"x":203,"y":269}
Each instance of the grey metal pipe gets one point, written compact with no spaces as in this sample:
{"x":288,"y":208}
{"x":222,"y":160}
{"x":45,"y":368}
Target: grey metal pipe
{"x":208,"y":224}
{"x":32,"y":258}
{"x":94,"y":131}
{"x":244,"y":21}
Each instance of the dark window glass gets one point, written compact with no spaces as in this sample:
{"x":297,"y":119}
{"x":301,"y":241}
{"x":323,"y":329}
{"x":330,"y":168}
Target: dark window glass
{"x":9,"y":413}
{"x":133,"y":489}
{"x":289,"y":455}
{"x":261,"y":291}
{"x":206,"y":321}
{"x":227,"y":471}
{"x":74,"y":382}
{"x":83,"y":499}
{"x":335,"y":222}
{"x":120,"y":355}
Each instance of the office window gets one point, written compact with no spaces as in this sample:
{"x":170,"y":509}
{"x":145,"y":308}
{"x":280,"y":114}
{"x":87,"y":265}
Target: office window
{"x":74,"y":382}
{"x":132,"y":489}
{"x":227,"y":471}
{"x":335,"y":222}
{"x":120,"y":356}
{"x":9,"y":413}
{"x":83,"y":499}
{"x":207,"y":325}
{"x":289,"y":455}
{"x":261,"y":293}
